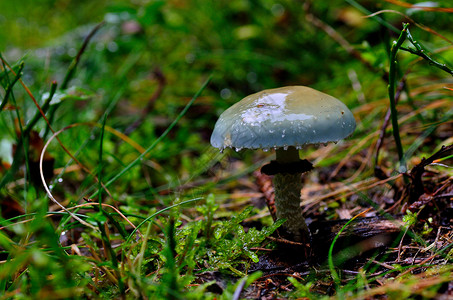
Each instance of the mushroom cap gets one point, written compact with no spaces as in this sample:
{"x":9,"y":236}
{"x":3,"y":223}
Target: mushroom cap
{"x":282,"y":117}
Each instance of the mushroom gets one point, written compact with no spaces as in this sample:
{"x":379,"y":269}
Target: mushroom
{"x":284,"y":119}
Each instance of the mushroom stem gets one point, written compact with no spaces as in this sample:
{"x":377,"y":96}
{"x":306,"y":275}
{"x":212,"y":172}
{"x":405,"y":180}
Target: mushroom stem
{"x":287,"y":188}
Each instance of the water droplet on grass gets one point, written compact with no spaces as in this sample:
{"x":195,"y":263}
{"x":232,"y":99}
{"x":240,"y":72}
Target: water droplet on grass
{"x":225,"y":93}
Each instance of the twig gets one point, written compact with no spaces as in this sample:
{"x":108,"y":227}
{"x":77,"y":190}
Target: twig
{"x":419,"y":265}
{"x":400,"y":245}
{"x":264,"y":183}
{"x":416,"y":189}
{"x":386,"y":265}
{"x":261,"y":249}
{"x":348,"y":190}
{"x":288,"y":242}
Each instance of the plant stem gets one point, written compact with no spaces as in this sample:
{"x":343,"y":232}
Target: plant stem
{"x":10,"y":85}
{"x":20,"y":149}
{"x":421,"y":52}
{"x":73,"y":66}
{"x":391,"y":90}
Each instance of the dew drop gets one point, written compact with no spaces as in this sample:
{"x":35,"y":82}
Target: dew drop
{"x":283,"y":135}
{"x":314,"y":131}
{"x":190,"y":58}
{"x":277,"y":10}
{"x":225,"y":93}
{"x":265,"y":149}
{"x":112,"y":46}
{"x":252,"y":77}
{"x":60,"y":179}
{"x":72,"y":52}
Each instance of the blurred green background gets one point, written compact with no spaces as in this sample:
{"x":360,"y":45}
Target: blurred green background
{"x":175,"y":45}
{"x":153,"y":56}
{"x":247,"y":46}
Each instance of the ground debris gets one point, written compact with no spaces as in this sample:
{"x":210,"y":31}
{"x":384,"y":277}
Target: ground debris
{"x":417,"y":188}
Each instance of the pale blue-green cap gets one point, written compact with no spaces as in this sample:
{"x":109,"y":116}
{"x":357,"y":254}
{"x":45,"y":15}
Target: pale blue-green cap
{"x":282,"y":117}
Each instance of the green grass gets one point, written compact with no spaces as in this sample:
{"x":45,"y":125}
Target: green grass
{"x":157,"y":212}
